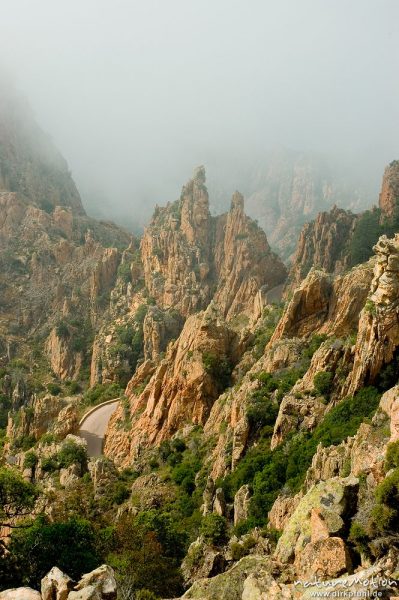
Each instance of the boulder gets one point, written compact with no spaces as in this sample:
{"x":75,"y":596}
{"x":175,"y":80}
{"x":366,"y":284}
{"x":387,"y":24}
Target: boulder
{"x":103,"y":473}
{"x":241,"y":504}
{"x":56,"y":585}
{"x":22,"y":593}
{"x":70,"y":475}
{"x":219,"y":503}
{"x":319,"y":528}
{"x":324,"y":559}
{"x":102,"y":580}
{"x":262,"y":586}
{"x":202,"y":561}
{"x":87,"y":593}
{"x":334,"y":500}
{"x":282,"y":510}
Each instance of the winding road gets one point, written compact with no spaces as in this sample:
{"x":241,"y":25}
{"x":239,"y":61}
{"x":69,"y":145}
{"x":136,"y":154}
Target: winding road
{"x":93,"y":426}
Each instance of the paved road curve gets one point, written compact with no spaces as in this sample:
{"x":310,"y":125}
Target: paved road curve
{"x":94,"y":426}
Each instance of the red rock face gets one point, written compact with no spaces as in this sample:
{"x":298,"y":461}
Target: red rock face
{"x":389,"y":196}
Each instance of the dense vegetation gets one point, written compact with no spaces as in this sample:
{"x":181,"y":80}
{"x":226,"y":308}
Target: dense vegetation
{"x":128,"y":346}
{"x":269,"y":471}
{"x":368,"y":228}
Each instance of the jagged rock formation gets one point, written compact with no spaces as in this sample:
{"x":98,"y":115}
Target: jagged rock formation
{"x":322,"y":244}
{"x":159,"y":328}
{"x":213,"y":369}
{"x":180,"y":391}
{"x":50,"y":413}
{"x":191,"y":261}
{"x":60,"y":272}
{"x":190,"y":257}
{"x":244,"y":262}
{"x":332,"y":241}
{"x":325,"y":304}
{"x":34,"y":244}
{"x":378,"y":335}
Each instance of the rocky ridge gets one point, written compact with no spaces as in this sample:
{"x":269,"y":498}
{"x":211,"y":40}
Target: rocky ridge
{"x":240,"y":416}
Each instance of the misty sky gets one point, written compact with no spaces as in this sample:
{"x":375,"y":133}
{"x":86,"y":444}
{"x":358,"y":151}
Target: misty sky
{"x":136,"y":93}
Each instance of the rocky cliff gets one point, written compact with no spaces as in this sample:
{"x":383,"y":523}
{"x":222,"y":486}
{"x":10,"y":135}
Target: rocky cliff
{"x":191,"y":261}
{"x":254,"y":444}
{"x":378,"y":338}
{"x":323,"y":244}
{"x":190,"y":257}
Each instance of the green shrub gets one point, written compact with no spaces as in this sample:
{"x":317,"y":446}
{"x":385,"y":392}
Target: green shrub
{"x":145,"y":595}
{"x":214,"y":529}
{"x":73,"y":387}
{"x":5,"y":405}
{"x":344,"y":419}
{"x":219,"y":368}
{"x":62,"y":330}
{"x":313,"y":345}
{"x":125,"y":272}
{"x":30,"y":460}
{"x":370,"y":307}
{"x":19,"y":363}
{"x":167,"y":533}
{"x":392,"y":456}
{"x":262,"y":409}
{"x":323,"y":383}
{"x":17,"y":496}
{"x":120,"y":492}
{"x":271,"y":316}
{"x":243,"y":527}
{"x":78,"y":343}
{"x":358,"y":536}
{"x":73,"y":542}
{"x":71,"y":454}
{"x":184,"y":475}
{"x":388,"y":374}
{"x":146,"y":552}
{"x":384,"y":518}
{"x":101,"y":392}
{"x":129,"y":345}
{"x":24,"y":442}
{"x":261,"y":413}
{"x":366,"y":232}
{"x":54,"y":388}
{"x":273,"y":534}
{"x":48,"y":438}
{"x":49,"y":464}
{"x":237,"y":550}
{"x":141,"y":313}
